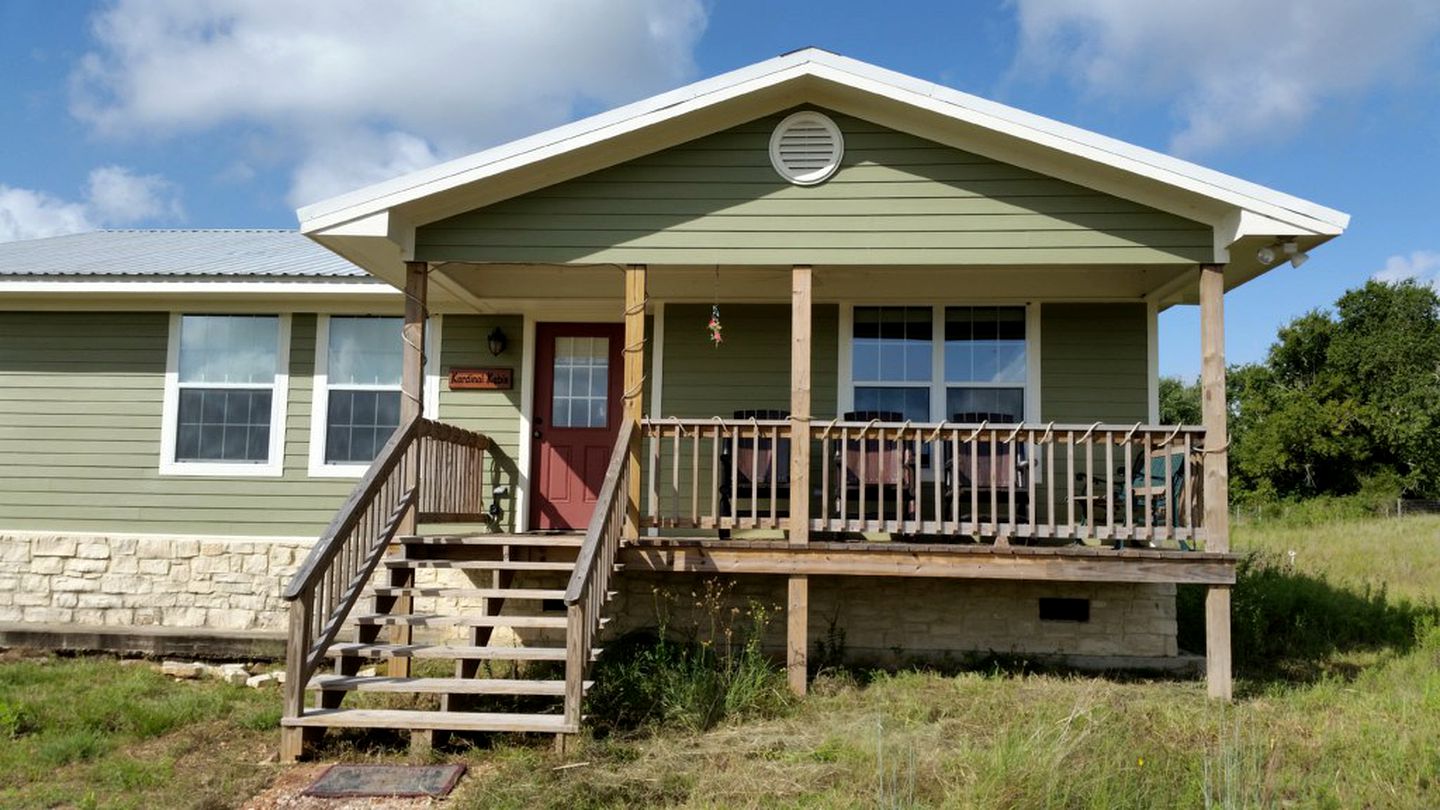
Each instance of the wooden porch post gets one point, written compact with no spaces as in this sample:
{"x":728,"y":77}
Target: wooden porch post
{"x":635,"y":298}
{"x":412,"y":402}
{"x":1216,"y":475}
{"x":798,"y":603}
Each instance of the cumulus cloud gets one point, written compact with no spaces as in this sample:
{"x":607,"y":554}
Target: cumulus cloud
{"x":1237,"y":70}
{"x":356,"y":90}
{"x":1422,"y":266}
{"x":114,"y":195}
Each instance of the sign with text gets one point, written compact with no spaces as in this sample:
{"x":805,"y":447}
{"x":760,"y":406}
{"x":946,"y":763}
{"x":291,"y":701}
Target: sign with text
{"x":485,"y":379}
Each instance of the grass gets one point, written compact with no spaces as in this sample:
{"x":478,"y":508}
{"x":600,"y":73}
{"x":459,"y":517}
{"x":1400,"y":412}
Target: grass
{"x":91,"y":732}
{"x":1338,"y":684}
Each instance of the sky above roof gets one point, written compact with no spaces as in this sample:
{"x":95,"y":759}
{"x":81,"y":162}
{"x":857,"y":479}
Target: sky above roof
{"x":171,"y":113}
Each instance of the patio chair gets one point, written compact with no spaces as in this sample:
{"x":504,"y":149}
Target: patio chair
{"x":1147,"y":482}
{"x":1005,"y":473}
{"x":754,"y":455}
{"x":883,"y":470}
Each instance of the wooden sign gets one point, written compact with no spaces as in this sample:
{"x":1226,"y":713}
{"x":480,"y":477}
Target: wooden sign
{"x":487,"y":379}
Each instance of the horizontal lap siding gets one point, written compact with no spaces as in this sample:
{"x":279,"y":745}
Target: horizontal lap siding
{"x":496,"y":414}
{"x":896,"y":199}
{"x":1093,"y":363}
{"x":81,"y":400}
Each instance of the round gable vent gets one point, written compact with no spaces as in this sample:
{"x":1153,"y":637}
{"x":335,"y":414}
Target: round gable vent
{"x":806,"y":148}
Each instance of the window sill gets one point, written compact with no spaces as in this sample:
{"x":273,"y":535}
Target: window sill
{"x":217,"y":469}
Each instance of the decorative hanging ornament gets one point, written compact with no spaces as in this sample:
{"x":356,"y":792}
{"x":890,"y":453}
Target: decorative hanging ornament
{"x":714,"y":326}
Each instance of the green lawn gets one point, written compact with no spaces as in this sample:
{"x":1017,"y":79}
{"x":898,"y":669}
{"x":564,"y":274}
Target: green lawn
{"x":1337,"y":652}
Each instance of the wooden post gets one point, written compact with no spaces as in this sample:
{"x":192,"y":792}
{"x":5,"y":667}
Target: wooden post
{"x":412,"y":402}
{"x":797,"y":619}
{"x":635,"y":298}
{"x":1215,"y":473}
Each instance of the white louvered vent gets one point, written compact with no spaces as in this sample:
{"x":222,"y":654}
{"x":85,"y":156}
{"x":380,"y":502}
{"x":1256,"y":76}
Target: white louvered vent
{"x":806,"y":148}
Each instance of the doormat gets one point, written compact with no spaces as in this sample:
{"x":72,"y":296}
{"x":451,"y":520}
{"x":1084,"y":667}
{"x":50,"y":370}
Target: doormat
{"x":348,"y":781}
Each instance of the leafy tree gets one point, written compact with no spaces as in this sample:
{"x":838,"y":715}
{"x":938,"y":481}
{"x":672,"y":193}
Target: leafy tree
{"x":1344,"y":400}
{"x":1179,"y":402}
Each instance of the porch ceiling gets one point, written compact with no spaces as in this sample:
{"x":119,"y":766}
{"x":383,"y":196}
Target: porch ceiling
{"x":511,"y":287}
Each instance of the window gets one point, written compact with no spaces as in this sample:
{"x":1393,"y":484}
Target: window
{"x":225,"y":391}
{"x":582,"y":382}
{"x":940,"y":363}
{"x":362,"y":378}
{"x":358,"y":368}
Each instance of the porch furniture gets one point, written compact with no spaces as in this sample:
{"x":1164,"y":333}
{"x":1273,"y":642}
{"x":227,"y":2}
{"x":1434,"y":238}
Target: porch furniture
{"x":990,"y":465}
{"x":876,"y":471}
{"x":757,"y":470}
{"x":1157,"y":494}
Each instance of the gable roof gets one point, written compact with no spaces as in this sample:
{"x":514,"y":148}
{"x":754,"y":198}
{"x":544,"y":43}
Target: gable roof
{"x":193,"y":253}
{"x":374,"y":226}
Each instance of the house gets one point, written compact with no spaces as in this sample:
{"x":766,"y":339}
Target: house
{"x":875,"y":350}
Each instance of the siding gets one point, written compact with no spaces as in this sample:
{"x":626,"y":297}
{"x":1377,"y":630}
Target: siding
{"x":896,"y":199}
{"x":494,"y":413}
{"x":752,"y":368}
{"x":80,"y":414}
{"x":1093,"y":363}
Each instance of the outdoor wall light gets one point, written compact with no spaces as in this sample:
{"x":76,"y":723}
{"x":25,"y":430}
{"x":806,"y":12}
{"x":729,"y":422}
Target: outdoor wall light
{"x":1267,"y":255}
{"x":497,"y":341}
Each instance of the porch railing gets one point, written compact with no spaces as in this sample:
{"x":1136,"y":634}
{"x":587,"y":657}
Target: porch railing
{"x":426,"y":471}
{"x":590,"y":582}
{"x":1069,"y":482}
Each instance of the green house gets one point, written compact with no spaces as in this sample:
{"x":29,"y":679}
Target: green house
{"x":874,"y":350}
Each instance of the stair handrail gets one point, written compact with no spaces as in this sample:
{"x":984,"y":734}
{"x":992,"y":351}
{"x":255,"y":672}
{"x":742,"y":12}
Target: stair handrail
{"x":590,"y":581}
{"x":387,"y":497}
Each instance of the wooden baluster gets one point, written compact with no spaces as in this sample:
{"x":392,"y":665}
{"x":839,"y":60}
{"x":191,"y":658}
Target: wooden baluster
{"x":1188,"y":497}
{"x":1091,"y":507}
{"x":990,"y":484}
{"x":754,"y":476}
{"x":974,"y":442}
{"x":657,"y":435}
{"x":1129,"y":489}
{"x":864,"y":457}
{"x":1069,"y":484}
{"x":825,"y":506}
{"x":695,"y":479}
{"x":715,"y":478}
{"x":1166,"y":533}
{"x":735,"y":474}
{"x":675,"y":474}
{"x":1049,"y":483}
{"x":937,"y":467}
{"x":1148,"y":472}
{"x":774,"y":474}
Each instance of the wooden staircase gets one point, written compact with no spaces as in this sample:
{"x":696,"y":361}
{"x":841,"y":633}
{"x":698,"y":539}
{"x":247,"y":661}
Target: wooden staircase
{"x":367,"y":577}
{"x":402,"y":610}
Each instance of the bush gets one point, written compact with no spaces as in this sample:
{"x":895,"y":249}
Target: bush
{"x":714,"y":671}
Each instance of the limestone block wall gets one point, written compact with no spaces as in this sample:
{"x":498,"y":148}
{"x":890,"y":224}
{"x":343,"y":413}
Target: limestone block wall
{"x":889,"y":620}
{"x":119,"y":581}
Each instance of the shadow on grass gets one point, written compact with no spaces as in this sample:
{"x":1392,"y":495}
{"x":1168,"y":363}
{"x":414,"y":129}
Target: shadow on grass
{"x":1289,"y":626}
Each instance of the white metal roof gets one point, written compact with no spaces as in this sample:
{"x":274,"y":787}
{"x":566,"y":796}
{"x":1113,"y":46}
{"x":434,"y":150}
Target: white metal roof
{"x":196,"y":253}
{"x":1236,"y":207}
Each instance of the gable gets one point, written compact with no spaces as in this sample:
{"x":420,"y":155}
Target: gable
{"x":896,"y":200}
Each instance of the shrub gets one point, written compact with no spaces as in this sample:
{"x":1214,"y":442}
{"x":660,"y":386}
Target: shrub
{"x":712,"y":671}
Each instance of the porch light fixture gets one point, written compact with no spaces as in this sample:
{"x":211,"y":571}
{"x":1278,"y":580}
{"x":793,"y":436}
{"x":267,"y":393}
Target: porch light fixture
{"x":1267,"y":255}
{"x":497,"y":341}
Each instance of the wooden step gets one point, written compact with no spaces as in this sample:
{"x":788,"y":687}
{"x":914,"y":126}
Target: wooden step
{"x":491,"y":539}
{"x":481,"y":565}
{"x":526,"y":594}
{"x":447,"y":686}
{"x":443,"y":620}
{"x":450,"y":651}
{"x":424,"y":721}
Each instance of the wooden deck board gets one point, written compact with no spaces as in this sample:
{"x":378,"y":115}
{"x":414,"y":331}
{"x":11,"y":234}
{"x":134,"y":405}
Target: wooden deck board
{"x":421,"y":720}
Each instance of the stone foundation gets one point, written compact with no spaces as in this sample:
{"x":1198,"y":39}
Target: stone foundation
{"x":103,"y":581}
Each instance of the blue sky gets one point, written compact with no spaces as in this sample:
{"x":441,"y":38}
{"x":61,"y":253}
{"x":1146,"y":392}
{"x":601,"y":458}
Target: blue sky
{"x":172,"y":113}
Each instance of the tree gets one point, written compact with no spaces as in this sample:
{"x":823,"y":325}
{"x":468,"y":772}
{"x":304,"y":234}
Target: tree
{"x":1344,"y":399}
{"x":1179,"y":402}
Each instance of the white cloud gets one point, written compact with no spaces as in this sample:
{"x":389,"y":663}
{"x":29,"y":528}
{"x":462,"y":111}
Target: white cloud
{"x":114,"y":195}
{"x":118,"y":196}
{"x":410,"y":83}
{"x":1235,"y":70}
{"x":1421,"y":265}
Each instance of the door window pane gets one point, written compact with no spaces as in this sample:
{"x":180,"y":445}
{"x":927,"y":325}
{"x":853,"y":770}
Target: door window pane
{"x":580,"y":398}
{"x":230,"y":349}
{"x":985,"y":344}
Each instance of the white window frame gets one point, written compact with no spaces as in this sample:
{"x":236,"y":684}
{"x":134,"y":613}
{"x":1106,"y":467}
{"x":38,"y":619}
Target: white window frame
{"x":320,"y":394}
{"x":845,"y":397}
{"x":274,"y":466}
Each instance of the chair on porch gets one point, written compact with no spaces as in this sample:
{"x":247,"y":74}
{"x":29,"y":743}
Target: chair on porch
{"x":880,"y":468}
{"x":1148,"y":483}
{"x":754,"y":456}
{"x":984,"y":469}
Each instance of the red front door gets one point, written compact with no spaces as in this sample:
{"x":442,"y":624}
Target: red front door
{"x":577,"y":419}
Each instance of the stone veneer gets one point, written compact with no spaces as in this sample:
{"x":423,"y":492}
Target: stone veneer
{"x":97,"y":580}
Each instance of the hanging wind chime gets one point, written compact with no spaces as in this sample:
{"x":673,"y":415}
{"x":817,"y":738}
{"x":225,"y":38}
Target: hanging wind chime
{"x":714,"y":326}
